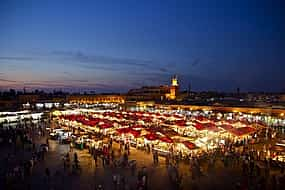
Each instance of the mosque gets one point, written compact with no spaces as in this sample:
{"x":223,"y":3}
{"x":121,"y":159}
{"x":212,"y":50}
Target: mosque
{"x":155,"y":93}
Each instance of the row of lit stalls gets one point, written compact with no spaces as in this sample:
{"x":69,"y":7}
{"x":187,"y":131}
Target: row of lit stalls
{"x":119,"y":126}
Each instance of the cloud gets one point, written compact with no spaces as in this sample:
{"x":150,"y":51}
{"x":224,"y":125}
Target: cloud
{"x":99,"y":67}
{"x":109,"y":62}
{"x":82,"y":57}
{"x":82,"y":70}
{"x":14,"y":58}
{"x":117,"y":86}
{"x":164,"y":70}
{"x":196,"y":62}
{"x":55,"y":82}
{"x":6,"y":80}
{"x":66,"y":73}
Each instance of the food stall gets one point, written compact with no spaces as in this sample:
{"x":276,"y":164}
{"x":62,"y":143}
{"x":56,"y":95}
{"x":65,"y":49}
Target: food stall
{"x":164,"y":146}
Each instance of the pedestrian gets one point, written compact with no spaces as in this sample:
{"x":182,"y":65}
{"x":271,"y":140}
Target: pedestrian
{"x":123,"y":182}
{"x":156,"y":157}
{"x":144,"y":182}
{"x":118,"y":181}
{"x":31,"y":165}
{"x":115,"y":181}
{"x":133,"y":168}
{"x":47,"y":172}
{"x":112,"y":156}
{"x":129,"y":149}
{"x":103,"y":160}
{"x":121,"y":146}
{"x":273,"y":182}
{"x":95,"y":159}
{"x":126,"y":159}
{"x":167,"y":160}
{"x":71,"y":147}
{"x":251,"y":167}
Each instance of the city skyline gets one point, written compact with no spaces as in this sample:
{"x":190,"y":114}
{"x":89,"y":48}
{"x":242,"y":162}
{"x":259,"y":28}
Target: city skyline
{"x":115,"y":46}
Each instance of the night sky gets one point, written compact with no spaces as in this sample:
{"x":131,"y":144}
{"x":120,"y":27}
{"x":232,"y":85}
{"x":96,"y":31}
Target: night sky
{"x":112,"y":46}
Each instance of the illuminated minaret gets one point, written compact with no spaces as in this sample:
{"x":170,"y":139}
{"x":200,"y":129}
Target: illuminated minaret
{"x":174,"y":81}
{"x":174,"y":88}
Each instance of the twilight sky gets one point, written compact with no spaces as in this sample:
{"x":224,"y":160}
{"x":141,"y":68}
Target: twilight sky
{"x":111,"y":46}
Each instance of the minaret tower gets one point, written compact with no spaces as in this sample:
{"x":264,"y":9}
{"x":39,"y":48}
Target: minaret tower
{"x":174,"y":88}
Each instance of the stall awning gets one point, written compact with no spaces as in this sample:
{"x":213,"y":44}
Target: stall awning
{"x":151,"y":137}
{"x":166,"y":139}
{"x":189,"y":145}
{"x":135,"y":133}
{"x":242,"y":131}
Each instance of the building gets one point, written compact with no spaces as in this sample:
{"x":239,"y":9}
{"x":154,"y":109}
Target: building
{"x":155,"y":93}
{"x":174,"y":89}
{"x":282,"y":98}
{"x":148,"y":93}
{"x":28,"y":98}
{"x":8,"y":105}
{"x":96,"y":98}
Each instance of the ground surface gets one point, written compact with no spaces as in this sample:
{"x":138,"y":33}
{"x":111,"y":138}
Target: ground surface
{"x":91,"y":176}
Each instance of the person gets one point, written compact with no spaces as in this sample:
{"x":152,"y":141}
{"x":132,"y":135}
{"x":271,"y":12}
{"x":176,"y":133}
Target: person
{"x":115,"y":180}
{"x":148,"y":148}
{"x":144,"y":177}
{"x":118,"y":181}
{"x":156,"y":157}
{"x":129,"y":149}
{"x":123,"y":182}
{"x":133,"y":168}
{"x":31,"y":165}
{"x":71,"y":147}
{"x":144,"y":182}
{"x":178,"y":181}
{"x":107,"y":159}
{"x":112,"y":156}
{"x":34,"y":147}
{"x":76,"y":161}
{"x":167,"y":160}
{"x":121,"y":146}
{"x":75,"y":157}
{"x":95,"y":158}
{"x":251,"y":166}
{"x":103,"y":160}
{"x":47,"y":172}
{"x":100,"y":187}
{"x":126,"y":159}
{"x":273,"y":182}
{"x":180,"y":155}
{"x":64,"y":163}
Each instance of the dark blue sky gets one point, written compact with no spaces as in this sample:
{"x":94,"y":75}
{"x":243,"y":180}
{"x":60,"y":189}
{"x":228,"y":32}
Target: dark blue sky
{"x":116,"y":45}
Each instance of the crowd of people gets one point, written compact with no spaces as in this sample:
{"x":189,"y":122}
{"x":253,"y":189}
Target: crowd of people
{"x":253,"y":164}
{"x":20,"y":153}
{"x":256,"y":170}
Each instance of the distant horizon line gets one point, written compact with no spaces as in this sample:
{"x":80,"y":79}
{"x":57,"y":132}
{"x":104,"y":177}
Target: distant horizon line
{"x":93,"y":91}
